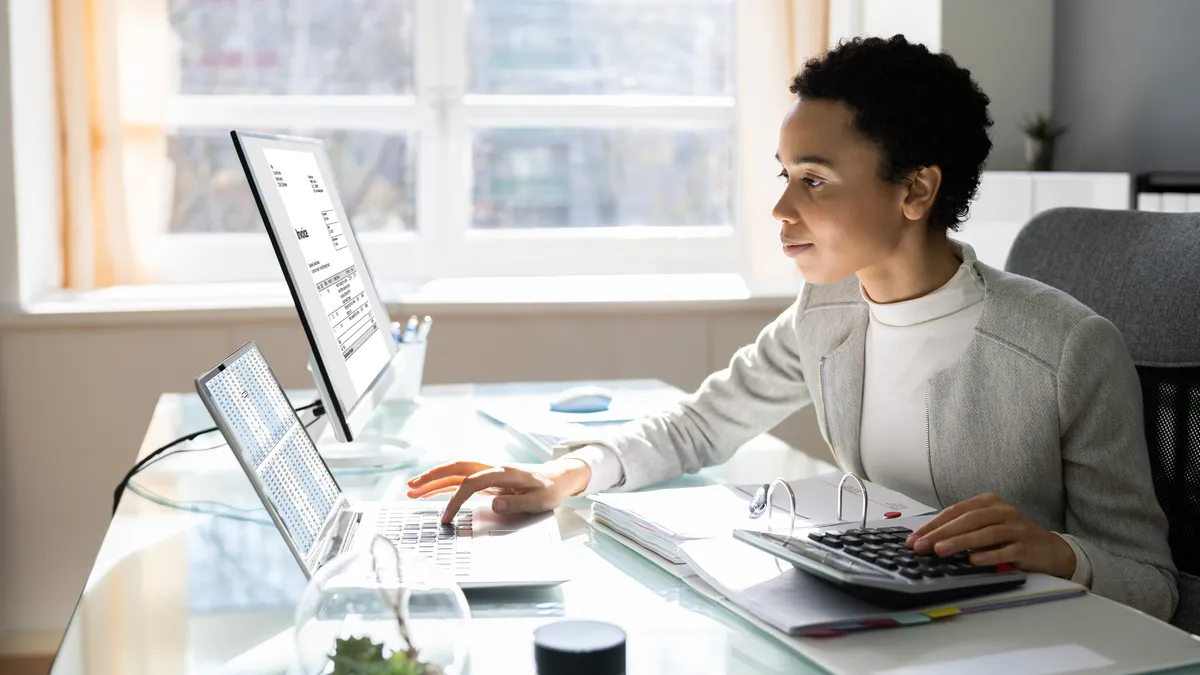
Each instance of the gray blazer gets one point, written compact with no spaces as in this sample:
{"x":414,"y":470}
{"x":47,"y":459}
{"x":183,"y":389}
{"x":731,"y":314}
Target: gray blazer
{"x":1044,"y":409}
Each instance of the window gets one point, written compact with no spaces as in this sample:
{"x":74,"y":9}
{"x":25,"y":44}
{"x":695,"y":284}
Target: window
{"x":468,"y":137}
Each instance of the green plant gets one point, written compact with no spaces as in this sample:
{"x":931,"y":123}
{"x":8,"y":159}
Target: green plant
{"x":362,"y":656}
{"x":1042,"y":127}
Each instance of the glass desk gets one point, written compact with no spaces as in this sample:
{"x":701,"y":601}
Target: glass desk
{"x":179,"y":591}
{"x":175,"y":589}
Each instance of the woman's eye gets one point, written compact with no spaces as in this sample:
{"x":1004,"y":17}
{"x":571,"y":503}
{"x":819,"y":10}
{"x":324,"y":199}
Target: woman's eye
{"x":783,"y":174}
{"x":813,"y":182}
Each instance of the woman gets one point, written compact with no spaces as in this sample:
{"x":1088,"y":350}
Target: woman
{"x":1005,"y":402}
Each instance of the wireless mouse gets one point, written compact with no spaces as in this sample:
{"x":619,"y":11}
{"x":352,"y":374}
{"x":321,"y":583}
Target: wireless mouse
{"x":585,"y":399}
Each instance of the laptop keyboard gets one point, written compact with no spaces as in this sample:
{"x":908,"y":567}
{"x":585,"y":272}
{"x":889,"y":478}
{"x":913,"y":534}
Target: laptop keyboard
{"x":544,"y":441}
{"x":421,"y":531}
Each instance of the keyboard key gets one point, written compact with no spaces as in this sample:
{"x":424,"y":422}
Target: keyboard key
{"x":897,"y":530}
{"x":869,"y":556}
{"x":886,"y":563}
{"x":878,"y":548}
{"x":851,"y":539}
{"x":910,"y":574}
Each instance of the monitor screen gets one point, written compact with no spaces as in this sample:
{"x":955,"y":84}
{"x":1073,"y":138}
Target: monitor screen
{"x":346,"y":323}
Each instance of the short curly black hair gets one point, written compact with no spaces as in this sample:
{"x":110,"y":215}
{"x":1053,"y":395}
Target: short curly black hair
{"x":920,"y":108}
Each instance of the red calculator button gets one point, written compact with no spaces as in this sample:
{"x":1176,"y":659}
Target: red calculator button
{"x":1003,"y":567}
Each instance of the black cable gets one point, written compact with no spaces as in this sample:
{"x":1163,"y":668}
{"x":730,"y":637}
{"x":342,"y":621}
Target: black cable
{"x":316,"y":407}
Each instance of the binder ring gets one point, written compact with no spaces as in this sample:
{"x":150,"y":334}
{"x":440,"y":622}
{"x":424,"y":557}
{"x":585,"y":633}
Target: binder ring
{"x":763,"y":502}
{"x":865,"y":502}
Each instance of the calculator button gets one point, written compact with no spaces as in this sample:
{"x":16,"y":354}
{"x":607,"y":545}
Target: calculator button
{"x":817,"y":537}
{"x":833,"y":542}
{"x":869,"y":556}
{"x":886,"y":563}
{"x":852,"y":539}
{"x":878,"y":548}
{"x":910,"y":574}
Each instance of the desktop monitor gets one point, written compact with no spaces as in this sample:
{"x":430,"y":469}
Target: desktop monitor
{"x":347,"y":326}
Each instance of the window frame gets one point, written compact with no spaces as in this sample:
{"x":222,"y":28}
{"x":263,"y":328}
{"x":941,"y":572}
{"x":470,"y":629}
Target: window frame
{"x":444,"y":114}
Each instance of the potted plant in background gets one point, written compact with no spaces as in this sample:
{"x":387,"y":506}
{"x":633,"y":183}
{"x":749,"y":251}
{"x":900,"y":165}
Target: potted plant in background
{"x":1041,"y":133}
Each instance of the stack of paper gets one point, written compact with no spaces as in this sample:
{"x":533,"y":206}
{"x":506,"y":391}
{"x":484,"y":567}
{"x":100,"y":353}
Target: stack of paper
{"x":797,"y":603}
{"x":661,"y":520}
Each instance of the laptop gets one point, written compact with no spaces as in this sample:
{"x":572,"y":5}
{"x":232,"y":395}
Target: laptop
{"x":481,"y":549}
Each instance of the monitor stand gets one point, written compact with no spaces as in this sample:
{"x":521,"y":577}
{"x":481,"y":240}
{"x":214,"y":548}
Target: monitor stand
{"x":365,"y":452}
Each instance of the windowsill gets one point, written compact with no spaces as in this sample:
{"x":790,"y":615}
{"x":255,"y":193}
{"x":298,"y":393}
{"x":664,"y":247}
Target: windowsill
{"x":271,"y":300}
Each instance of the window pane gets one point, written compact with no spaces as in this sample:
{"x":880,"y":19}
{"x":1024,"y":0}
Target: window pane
{"x":375,"y":174}
{"x":677,"y":47}
{"x":294,"y":46}
{"x":601,"y":177}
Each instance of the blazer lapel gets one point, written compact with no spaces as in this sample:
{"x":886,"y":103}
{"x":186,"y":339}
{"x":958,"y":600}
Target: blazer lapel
{"x":843,"y":394}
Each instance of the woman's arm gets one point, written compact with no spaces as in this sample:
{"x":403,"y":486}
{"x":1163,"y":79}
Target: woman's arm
{"x":762,"y":385}
{"x":1112,"y":514}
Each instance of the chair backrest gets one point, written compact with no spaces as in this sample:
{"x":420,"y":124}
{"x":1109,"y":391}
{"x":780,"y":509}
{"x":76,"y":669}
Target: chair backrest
{"x":1142,"y":272}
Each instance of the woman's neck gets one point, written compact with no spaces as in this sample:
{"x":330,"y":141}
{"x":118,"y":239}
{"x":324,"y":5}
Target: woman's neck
{"x":918,"y":266}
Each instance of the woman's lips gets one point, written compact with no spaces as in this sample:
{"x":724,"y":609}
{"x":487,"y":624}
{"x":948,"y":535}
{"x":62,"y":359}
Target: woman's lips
{"x":791,"y":249}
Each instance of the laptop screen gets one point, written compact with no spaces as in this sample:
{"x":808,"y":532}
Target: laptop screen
{"x":275,"y":449}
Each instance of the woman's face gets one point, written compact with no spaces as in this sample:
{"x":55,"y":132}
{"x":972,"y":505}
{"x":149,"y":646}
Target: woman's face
{"x":836,"y":215}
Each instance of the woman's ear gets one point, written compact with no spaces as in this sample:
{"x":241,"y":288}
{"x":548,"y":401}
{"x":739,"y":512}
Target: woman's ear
{"x":923,"y":186}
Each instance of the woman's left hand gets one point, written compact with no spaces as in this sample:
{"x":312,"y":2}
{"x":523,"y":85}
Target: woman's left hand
{"x":997,"y":533}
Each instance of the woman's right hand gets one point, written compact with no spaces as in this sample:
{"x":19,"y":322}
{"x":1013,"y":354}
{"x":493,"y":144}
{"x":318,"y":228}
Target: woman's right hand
{"x":519,"y":488}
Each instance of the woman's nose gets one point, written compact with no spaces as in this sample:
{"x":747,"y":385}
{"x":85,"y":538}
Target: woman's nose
{"x":783,"y":211}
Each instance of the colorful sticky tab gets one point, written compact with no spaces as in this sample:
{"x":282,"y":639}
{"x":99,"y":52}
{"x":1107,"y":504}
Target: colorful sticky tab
{"x":911,"y":619}
{"x":940,"y":612}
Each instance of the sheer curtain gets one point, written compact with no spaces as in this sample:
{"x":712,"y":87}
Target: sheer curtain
{"x":112,"y":168}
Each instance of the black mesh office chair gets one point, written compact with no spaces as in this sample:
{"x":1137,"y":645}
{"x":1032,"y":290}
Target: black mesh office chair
{"x":1142,"y":272}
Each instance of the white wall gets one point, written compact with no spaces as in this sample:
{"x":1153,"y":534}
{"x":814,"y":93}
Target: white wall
{"x":1009,"y":49}
{"x":75,"y":401}
{"x":1127,"y":85}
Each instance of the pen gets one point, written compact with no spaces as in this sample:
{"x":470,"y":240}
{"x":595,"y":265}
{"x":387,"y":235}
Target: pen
{"x":423,"y":330}
{"x":410,"y":329}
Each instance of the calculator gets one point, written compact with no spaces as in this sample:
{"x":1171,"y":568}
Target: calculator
{"x":874,"y":564}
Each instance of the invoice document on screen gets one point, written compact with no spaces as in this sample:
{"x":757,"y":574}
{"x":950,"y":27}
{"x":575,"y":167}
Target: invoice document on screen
{"x":324,"y":245}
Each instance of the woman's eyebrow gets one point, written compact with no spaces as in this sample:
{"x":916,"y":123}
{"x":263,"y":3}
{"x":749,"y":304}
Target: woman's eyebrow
{"x":808,"y":159}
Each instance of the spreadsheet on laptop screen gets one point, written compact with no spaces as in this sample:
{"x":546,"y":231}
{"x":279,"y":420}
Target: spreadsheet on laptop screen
{"x":275,"y":446}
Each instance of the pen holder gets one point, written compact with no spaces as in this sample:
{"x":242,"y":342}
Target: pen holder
{"x":408,"y":367}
